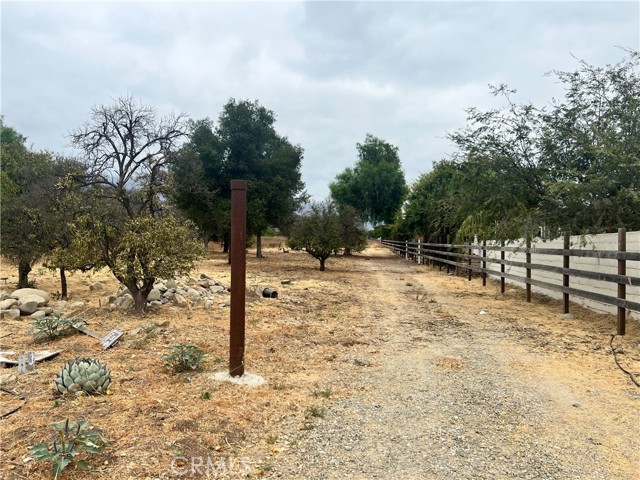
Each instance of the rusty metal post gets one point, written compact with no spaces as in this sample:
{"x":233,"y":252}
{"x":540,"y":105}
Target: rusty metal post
{"x":528,"y":260}
{"x":238,"y":276}
{"x":565,"y":276}
{"x":502,"y":267}
{"x":622,"y":288}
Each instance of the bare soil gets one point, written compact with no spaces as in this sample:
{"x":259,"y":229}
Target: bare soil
{"x":375,"y":368}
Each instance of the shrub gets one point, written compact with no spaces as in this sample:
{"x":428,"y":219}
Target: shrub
{"x":72,"y":439}
{"x":184,"y":358}
{"x":52,"y":327}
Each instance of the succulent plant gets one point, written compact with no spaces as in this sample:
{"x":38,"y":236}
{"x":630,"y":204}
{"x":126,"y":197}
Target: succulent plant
{"x":83,"y":375}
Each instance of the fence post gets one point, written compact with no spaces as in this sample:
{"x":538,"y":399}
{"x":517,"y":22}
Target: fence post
{"x":502,"y":268}
{"x":622,"y":288}
{"x":484,"y":263}
{"x":565,"y":276}
{"x":447,"y":257}
{"x":419,"y":253}
{"x":528,"y":260}
{"x":469,"y":263}
{"x":406,"y":249}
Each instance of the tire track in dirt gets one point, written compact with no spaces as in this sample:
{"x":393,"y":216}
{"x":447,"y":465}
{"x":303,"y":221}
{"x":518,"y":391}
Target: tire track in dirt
{"x":441,"y":399}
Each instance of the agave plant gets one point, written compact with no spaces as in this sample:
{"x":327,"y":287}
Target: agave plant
{"x":83,"y":375}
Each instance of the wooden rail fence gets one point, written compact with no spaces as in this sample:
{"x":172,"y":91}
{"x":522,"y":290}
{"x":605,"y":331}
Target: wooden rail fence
{"x":461,"y":257}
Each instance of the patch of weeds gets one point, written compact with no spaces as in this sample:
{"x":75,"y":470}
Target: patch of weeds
{"x":409,"y":284}
{"x":315,"y":412}
{"x":308,"y":426}
{"x":148,"y":333}
{"x":322,"y":392}
{"x":271,"y":439}
{"x":254,"y":320}
{"x":360,"y":363}
{"x":184,"y":358}
{"x":52,"y":326}
{"x":71,"y":439}
{"x":205,"y":396}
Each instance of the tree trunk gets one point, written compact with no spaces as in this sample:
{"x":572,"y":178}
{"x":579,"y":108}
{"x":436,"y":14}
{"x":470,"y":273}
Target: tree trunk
{"x":206,"y":245}
{"x":24,"y":267}
{"x":347,"y":252}
{"x":322,"y":264}
{"x":258,"y":246}
{"x":63,"y":284}
{"x":139,"y":294}
{"x":225,"y":246}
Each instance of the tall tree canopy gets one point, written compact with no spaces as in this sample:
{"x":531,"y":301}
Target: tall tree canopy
{"x":375,"y":186}
{"x":27,"y":177}
{"x":571,"y":166}
{"x":243,"y":145}
{"x":126,"y":149}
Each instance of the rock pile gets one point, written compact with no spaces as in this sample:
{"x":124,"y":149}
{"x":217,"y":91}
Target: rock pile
{"x":204,"y":291}
{"x":25,"y":301}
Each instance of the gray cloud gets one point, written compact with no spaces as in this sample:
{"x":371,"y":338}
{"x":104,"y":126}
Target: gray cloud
{"x":332,"y":72}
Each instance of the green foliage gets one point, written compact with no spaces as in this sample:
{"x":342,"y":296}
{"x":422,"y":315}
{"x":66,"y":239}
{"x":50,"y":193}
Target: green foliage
{"x":521,"y":170}
{"x":318,"y":231}
{"x":375,"y":187}
{"x":52,"y":326}
{"x":184,"y":358}
{"x":315,"y":412}
{"x":353,"y":236}
{"x":71,"y":440}
{"x":243,"y":145}
{"x":83,"y":375}
{"x":127,"y":150}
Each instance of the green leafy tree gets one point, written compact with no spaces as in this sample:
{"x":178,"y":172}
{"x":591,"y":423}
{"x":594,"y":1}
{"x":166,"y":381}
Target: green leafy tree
{"x":432,"y":210}
{"x":501,"y":183}
{"x":26,"y":180}
{"x":243,"y":145}
{"x":375,"y":187}
{"x":591,"y":149}
{"x":318,"y":231}
{"x":353,"y":235}
{"x":127,"y":150}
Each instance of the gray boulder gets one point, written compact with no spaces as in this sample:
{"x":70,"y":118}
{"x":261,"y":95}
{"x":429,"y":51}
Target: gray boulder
{"x":23,"y":292}
{"x":8,"y":303}
{"x":39,"y":314}
{"x":180,"y":301}
{"x":154,"y":295}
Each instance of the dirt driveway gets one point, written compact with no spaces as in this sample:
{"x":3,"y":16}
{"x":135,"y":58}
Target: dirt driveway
{"x":456,"y":381}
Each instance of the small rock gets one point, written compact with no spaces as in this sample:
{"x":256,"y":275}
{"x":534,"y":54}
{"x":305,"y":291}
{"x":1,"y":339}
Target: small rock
{"x":482,"y":312}
{"x":568,"y":315}
{"x":78,"y":304}
{"x":96,"y":286}
{"x":8,"y":303}
{"x":154,"y":295}
{"x":38,"y":314}
{"x":216,"y":289}
{"x":29,"y":306}
{"x":171,"y":284}
{"x":127,"y":302}
{"x":136,"y":331}
{"x":60,"y":305}
{"x":285,"y":282}
{"x":155,"y":304}
{"x":180,"y":301}
{"x":205,"y":276}
{"x":12,"y":313}
{"x":208,"y":305}
{"x":161,"y":323}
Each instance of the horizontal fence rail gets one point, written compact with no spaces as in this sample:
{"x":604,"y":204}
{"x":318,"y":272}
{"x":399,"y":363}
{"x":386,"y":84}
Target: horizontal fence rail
{"x":461,"y":257}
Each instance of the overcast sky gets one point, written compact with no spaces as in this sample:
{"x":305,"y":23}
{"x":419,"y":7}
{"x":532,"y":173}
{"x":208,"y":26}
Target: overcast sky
{"x":331,"y":71}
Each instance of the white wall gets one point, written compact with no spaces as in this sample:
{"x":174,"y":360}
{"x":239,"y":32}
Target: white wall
{"x":607,"y":241}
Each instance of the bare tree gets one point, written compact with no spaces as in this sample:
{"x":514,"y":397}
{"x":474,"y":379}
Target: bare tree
{"x":126,"y":152}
